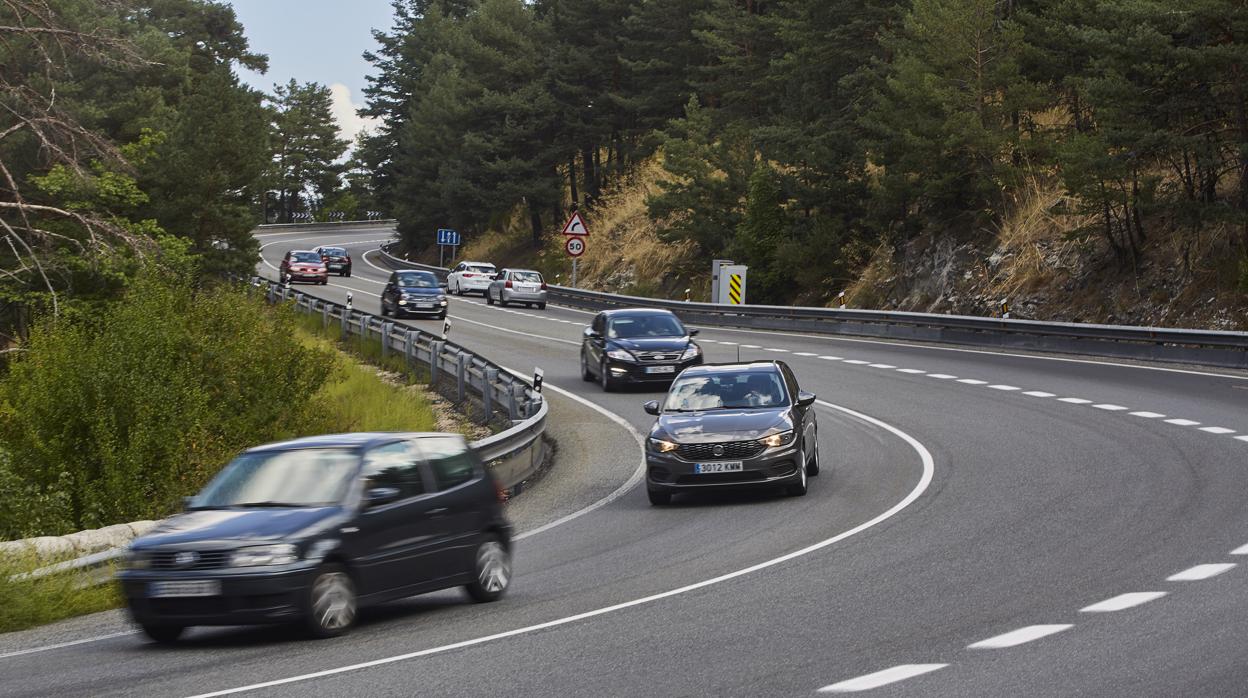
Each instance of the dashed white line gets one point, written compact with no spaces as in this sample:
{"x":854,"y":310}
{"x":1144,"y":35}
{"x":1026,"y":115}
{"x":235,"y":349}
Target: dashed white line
{"x":1123,"y":602}
{"x":882,"y":366}
{"x":857,"y":362}
{"x":1074,"y":400}
{"x":1006,"y":388}
{"x":1241,"y":438}
{"x":804,"y":353}
{"x":972,"y":381}
{"x":1039,"y":393}
{"x":1199,"y":572}
{"x":1018,"y":637}
{"x":1241,"y":550}
{"x":1218,"y":430}
{"x":783,"y":351}
{"x":882,"y":678}
{"x":831,"y":358}
{"x":942,"y":376}
{"x":1148,"y":415}
{"x":731,"y":344}
{"x":1182,"y":422}
{"x":750,"y":346}
{"x":914,"y":371}
{"x":1110,"y":407}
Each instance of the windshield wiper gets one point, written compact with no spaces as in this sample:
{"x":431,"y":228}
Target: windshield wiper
{"x":269,"y":504}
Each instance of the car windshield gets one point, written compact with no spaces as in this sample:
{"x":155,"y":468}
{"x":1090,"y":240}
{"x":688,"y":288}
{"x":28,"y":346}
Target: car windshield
{"x":480,"y":269}
{"x":418,"y":279}
{"x":635,"y":326}
{"x":335,"y":251}
{"x":531,"y":277}
{"x":302,"y":477}
{"x":305,"y":257}
{"x":726,"y":391}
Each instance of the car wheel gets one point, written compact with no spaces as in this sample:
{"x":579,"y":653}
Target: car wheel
{"x":331,"y":603}
{"x":799,"y":489}
{"x":442,"y":315}
{"x":585,"y":373}
{"x":492,"y":571}
{"x":325,"y":282}
{"x":384,"y":312}
{"x":348,"y":273}
{"x":162,"y":633}
{"x":502,"y":302}
{"x":489,"y":300}
{"x":604,"y":378}
{"x":659,"y":499}
{"x":812,"y":466}
{"x":541,"y":306}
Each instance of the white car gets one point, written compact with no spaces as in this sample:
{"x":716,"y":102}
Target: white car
{"x":470,"y":277}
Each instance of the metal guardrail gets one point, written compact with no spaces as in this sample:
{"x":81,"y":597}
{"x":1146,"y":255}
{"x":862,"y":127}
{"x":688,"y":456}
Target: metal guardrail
{"x":329,"y":224}
{"x":1202,"y":347}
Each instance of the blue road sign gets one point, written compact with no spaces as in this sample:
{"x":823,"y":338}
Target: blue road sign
{"x":446,"y":236}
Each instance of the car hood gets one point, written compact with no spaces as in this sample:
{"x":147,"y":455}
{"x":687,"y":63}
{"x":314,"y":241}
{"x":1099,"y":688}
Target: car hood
{"x":653,"y":343}
{"x":721,"y":425}
{"x":237,"y":526}
{"x":420,"y":291}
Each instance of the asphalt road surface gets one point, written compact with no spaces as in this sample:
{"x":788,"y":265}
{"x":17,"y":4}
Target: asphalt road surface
{"x":986,"y":524}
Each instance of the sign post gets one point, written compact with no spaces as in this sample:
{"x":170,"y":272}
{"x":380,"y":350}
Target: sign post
{"x":446,"y":238}
{"x":576,"y":232}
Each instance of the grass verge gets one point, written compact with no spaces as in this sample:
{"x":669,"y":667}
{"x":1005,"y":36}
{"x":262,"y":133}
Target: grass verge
{"x":30,"y":602}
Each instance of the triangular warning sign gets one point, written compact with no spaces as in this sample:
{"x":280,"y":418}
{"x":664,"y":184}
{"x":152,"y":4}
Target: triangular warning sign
{"x":575,"y":226}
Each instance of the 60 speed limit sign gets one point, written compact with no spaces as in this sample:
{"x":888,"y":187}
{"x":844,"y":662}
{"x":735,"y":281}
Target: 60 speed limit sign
{"x":575,"y":246}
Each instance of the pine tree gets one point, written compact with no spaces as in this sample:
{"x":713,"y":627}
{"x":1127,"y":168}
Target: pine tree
{"x":306,"y":144}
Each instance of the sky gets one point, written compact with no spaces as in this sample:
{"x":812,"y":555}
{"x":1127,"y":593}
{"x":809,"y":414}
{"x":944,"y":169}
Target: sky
{"x":316,"y":41}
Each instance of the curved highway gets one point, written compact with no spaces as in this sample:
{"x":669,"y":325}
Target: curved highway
{"x":986,"y":524}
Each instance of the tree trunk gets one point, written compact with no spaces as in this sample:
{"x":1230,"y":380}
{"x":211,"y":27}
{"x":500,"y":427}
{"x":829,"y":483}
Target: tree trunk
{"x":535,"y":220}
{"x":591,"y":174}
{"x":572,"y":180}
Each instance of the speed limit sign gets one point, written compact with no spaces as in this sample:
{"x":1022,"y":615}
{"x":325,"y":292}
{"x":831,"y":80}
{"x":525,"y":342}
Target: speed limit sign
{"x":575,"y":246}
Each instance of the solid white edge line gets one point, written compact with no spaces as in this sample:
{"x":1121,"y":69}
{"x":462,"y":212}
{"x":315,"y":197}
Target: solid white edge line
{"x":71,"y":643}
{"x":1201,"y":572}
{"x":882,"y":678}
{"x":925,"y":480}
{"x":1122,"y":602}
{"x":1018,"y":637}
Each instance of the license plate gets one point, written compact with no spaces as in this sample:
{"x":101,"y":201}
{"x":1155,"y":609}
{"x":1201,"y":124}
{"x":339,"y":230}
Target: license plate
{"x":424,"y":305}
{"x":660,"y":369}
{"x":527,"y":288}
{"x":335,"y":265}
{"x":727,"y":466}
{"x":196,"y":587}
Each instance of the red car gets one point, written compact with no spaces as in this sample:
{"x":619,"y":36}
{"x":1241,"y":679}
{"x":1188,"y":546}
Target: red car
{"x":304,"y":265}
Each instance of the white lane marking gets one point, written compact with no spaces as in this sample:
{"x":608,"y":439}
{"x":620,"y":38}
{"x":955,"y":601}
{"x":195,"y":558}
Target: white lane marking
{"x":1005,"y":387}
{"x":1182,"y":422}
{"x":1110,"y":407}
{"x":857,"y":362}
{"x":71,"y":643}
{"x":804,"y":353}
{"x":1074,"y":400}
{"x":882,"y":366}
{"x":1241,"y":438}
{"x":750,"y":346}
{"x":972,"y":381}
{"x":882,"y":678}
{"x":1199,"y":572}
{"x":1148,"y":415}
{"x":925,"y":480}
{"x":269,"y":264}
{"x":731,"y":344}
{"x":1039,"y":393}
{"x":784,"y":351}
{"x":1241,"y":550}
{"x":942,"y":376}
{"x":510,"y":331}
{"x":1018,"y":637}
{"x":1123,"y":602}
{"x":831,"y":358}
{"x":912,"y":371}
{"x":1218,"y":430}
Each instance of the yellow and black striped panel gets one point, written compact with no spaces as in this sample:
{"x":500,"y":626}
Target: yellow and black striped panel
{"x":734,"y":289}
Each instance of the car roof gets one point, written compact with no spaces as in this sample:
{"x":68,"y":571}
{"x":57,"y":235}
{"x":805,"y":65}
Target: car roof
{"x":530,"y":271}
{"x":303,"y":252}
{"x":331,"y":247}
{"x":736,"y":367}
{"x":632,"y":312}
{"x":359,"y":440}
{"x":418,"y":271}
{"x":481,"y":264}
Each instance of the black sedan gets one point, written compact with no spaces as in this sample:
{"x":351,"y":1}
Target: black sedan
{"x":412,"y":292}
{"x":636,"y":345}
{"x":732,"y":425}
{"x":310,"y":530}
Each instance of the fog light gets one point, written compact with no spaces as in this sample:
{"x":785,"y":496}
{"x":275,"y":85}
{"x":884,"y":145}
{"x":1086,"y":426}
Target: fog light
{"x":402,"y":302}
{"x":618,"y":371}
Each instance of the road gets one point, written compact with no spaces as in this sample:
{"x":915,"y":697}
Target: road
{"x":979,"y":519}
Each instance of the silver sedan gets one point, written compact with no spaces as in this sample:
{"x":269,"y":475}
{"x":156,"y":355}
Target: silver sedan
{"x":517,"y":286}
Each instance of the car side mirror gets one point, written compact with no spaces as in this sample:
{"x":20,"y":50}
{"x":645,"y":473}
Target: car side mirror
{"x":591,"y":334}
{"x":651,"y":407}
{"x":693,"y":333}
{"x":805,"y":399}
{"x":381,"y":495}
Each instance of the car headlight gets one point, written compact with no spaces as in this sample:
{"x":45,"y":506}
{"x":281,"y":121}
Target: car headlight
{"x":261,"y":555}
{"x":136,"y":560}
{"x":620,"y":355}
{"x":691,"y":353}
{"x":663,"y":446}
{"x":783,"y":438}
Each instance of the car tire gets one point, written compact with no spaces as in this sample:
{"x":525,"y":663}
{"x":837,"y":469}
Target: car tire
{"x":659,"y":499}
{"x":799,"y":489}
{"x":325,"y":282}
{"x":586,"y":374}
{"x":502,"y":302}
{"x":604,"y":378}
{"x":812,"y":465}
{"x":348,"y":273}
{"x":541,"y":306}
{"x":331,"y":605}
{"x":442,"y":315}
{"x":384,"y":312}
{"x":163,"y":633}
{"x":489,"y":300}
{"x":491,"y":571}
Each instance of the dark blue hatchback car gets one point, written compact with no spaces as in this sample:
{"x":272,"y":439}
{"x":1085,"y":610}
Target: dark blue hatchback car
{"x":413,"y":292}
{"x":310,"y":530}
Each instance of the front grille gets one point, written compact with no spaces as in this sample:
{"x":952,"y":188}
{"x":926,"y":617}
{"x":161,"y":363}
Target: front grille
{"x":196,"y":606}
{"x":208,"y":560}
{"x":657,"y":355}
{"x":720,"y":478}
{"x":732,"y":450}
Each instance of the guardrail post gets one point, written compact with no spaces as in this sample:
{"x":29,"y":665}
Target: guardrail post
{"x":386,"y":327}
{"x":461,"y":373}
{"x":513,"y":403}
{"x":346,"y":323}
{"x":324,"y":315}
{"x":487,"y":395}
{"x":409,"y":344}
{"x":435,"y":352}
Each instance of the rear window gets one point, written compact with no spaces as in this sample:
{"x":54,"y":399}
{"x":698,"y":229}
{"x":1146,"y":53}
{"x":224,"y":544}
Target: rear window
{"x":306,"y":257}
{"x":452,"y":463}
{"x":337,"y":251}
{"x":481,"y":268}
{"x":527,"y":276}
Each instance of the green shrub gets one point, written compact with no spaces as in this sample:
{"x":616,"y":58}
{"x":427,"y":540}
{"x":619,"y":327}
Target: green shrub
{"x":116,"y":417}
{"x":34,"y":601}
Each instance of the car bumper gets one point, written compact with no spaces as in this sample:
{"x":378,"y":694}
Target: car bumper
{"x":339,"y":266}
{"x":474,"y":284}
{"x":307,"y":276}
{"x":513,"y":296}
{"x":670,"y":473}
{"x":411,"y":308}
{"x":245,"y":599}
{"x":636,"y":372}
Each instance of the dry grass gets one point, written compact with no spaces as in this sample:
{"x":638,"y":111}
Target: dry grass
{"x":1033,"y":240}
{"x":872,"y":287}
